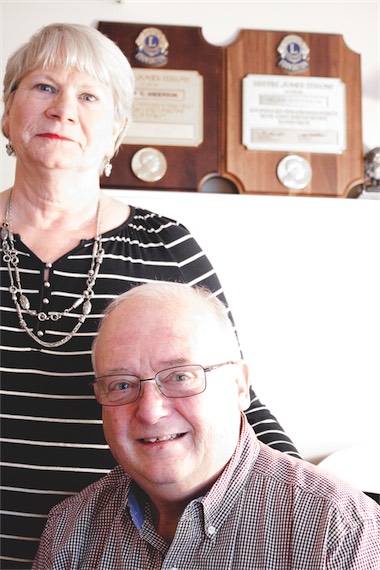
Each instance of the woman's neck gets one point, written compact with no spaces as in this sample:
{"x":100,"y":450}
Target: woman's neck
{"x":53,"y":214}
{"x":55,"y":197}
{"x":47,"y":210}
{"x":49,"y":228}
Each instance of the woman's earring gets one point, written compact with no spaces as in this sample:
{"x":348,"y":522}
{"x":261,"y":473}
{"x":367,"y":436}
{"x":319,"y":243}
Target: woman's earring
{"x":9,"y":148}
{"x":108,"y":168}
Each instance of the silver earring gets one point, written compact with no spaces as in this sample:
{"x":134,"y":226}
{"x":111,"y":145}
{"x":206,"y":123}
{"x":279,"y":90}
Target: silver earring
{"x":9,"y":148}
{"x":108,"y":168}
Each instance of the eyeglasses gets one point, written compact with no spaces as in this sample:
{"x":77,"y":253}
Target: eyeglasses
{"x":175,"y":382}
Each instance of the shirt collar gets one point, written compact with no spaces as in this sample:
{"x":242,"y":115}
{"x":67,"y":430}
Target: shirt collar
{"x":136,"y":503}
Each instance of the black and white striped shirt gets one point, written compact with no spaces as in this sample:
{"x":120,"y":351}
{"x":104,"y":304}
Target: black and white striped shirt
{"x":52,"y":443}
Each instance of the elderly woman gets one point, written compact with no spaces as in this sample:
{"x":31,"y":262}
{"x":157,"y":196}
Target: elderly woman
{"x":67,"y":249}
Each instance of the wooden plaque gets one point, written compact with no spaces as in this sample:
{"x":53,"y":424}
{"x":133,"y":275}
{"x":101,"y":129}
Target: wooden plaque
{"x":310,"y":110}
{"x":181,"y":89}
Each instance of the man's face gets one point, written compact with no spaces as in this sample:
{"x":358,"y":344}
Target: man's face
{"x":171,"y":445}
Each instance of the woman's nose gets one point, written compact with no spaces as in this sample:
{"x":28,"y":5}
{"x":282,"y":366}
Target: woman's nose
{"x":63,"y":107}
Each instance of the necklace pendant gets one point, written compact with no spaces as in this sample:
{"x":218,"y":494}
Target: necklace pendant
{"x":24,"y":302}
{"x":55,"y":316}
{"x":4,"y":232}
{"x":87,"y":307}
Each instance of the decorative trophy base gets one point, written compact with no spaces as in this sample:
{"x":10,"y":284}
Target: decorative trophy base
{"x":175,"y":141}
{"x":293,"y":114}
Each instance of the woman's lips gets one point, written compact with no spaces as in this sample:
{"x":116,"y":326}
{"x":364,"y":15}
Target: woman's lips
{"x":54,"y":136}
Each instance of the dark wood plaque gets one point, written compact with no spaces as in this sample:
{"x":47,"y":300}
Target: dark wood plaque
{"x":187,"y":165}
{"x":255,"y":54}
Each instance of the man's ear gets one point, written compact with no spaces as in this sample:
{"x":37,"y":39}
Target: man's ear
{"x":243,"y":383}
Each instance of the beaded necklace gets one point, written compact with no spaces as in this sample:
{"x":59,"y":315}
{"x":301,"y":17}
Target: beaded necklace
{"x":21,"y":301}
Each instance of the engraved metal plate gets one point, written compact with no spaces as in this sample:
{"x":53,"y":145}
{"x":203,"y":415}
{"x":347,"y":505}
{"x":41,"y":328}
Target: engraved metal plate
{"x":294,"y":114}
{"x":168,"y":108}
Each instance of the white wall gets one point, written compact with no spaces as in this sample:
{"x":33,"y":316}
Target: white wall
{"x":307,"y":303}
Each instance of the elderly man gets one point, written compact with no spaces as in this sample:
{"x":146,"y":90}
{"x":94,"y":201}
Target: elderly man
{"x":194,"y":488}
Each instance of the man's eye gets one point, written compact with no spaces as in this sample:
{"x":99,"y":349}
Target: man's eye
{"x":180,"y":376}
{"x":119,"y":386}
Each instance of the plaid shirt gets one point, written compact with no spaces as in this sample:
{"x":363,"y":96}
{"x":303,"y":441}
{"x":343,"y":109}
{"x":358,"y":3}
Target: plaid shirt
{"x":266,"y":511}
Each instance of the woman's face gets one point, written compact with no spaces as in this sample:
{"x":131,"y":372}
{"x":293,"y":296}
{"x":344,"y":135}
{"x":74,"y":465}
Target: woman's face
{"x":61,"y":118}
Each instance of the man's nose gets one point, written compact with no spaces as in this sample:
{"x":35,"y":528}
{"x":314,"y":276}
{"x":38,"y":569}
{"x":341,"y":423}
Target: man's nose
{"x":151,"y":404}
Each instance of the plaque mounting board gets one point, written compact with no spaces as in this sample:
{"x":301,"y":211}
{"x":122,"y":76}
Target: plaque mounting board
{"x":177,"y":109}
{"x":272,"y":112}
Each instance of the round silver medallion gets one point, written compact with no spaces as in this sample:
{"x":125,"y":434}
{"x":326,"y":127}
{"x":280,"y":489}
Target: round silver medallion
{"x":294,"y":172}
{"x":149,"y":164}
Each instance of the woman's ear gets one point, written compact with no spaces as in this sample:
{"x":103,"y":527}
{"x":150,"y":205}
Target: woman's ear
{"x":118,"y":134}
{"x":5,"y":127}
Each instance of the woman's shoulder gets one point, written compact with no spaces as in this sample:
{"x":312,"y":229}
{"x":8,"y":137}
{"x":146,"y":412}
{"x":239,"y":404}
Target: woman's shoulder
{"x":151,"y":218}
{"x":121,"y":217}
{"x":147,"y":222}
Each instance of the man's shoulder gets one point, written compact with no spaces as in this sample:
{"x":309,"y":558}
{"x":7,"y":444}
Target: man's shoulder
{"x":109,"y":493}
{"x":297,"y":478}
{"x":282,"y":469}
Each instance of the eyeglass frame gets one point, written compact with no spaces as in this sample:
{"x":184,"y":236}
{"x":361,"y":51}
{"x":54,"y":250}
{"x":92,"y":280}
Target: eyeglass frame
{"x":142,"y":380}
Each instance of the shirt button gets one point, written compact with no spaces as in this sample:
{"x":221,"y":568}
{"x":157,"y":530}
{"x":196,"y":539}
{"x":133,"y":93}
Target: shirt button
{"x":211,"y":530}
{"x":45,"y":301}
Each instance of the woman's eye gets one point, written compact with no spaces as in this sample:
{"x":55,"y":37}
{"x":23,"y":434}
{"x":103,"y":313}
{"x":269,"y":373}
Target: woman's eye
{"x":45,"y":88}
{"x":88,"y":97}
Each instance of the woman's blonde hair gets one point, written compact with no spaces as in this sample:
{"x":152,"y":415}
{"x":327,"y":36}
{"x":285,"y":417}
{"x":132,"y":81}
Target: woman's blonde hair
{"x":81,"y":47}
